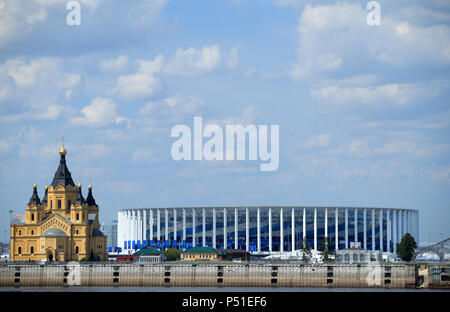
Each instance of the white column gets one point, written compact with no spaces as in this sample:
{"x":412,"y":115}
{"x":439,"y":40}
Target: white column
{"x":373,"y":229}
{"x":134,"y":227}
{"x":394,"y":217}
{"x":214,"y":229}
{"x":407,"y":222}
{"x":388,"y":230}
{"x":365,"y":228}
{"x":225,"y":228}
{"x":270,"y":229}
{"x":356,"y":225}
{"x":119,"y":242}
{"x":381,"y":230}
{"x":281,"y":231}
{"x":193,"y":227}
{"x":336,"y":228}
{"x":128,"y":228}
{"x":346,"y":227}
{"x":184,"y":226}
{"x":175,"y":226}
{"x":258,"y":225}
{"x":292,"y":229}
{"x":139,"y":226}
{"x":236,"y":236}
{"x":403,"y":224}
{"x":247,"y":229}
{"x":315,"y":228}
{"x":158,"y":225}
{"x":204,"y":227}
{"x":151,"y":225}
{"x":304,"y":225}
{"x":144,"y":223}
{"x":166,"y":227}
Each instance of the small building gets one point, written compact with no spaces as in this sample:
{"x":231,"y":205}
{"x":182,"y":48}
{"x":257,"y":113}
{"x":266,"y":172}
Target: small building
{"x":149,"y":255}
{"x":350,"y":256}
{"x":199,"y":253}
{"x":234,"y":254}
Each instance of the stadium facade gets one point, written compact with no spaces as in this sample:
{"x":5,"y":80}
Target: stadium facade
{"x":264,"y":229}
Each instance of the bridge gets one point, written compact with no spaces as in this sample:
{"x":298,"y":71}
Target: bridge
{"x":439,"y":249}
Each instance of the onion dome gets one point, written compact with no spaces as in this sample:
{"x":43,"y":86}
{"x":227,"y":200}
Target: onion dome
{"x":34,"y":200}
{"x":62,"y":175}
{"x":44,"y":200}
{"x":90,"y":199}
{"x":80,"y":199}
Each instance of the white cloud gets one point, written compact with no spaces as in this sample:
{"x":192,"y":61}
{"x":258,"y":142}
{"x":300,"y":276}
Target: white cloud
{"x":175,"y":108}
{"x":100,"y":112}
{"x":117,"y":65}
{"x":194,"y":62}
{"x":38,"y":89}
{"x":18,"y":18}
{"x":343,"y":96}
{"x":335,"y":37}
{"x":143,"y":83}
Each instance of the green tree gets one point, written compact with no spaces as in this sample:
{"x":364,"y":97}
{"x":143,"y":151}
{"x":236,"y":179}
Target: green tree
{"x":406,"y":247}
{"x":172,"y":254}
{"x":306,"y":251}
{"x":325,"y":250}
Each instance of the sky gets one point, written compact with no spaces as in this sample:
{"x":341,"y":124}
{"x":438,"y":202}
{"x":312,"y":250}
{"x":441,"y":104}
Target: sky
{"x":363,"y":110}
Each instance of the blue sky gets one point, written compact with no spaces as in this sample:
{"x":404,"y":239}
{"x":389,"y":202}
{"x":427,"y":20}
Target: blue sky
{"x":364,"y":111}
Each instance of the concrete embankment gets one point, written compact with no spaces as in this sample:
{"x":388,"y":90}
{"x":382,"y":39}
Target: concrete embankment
{"x":209,"y":275}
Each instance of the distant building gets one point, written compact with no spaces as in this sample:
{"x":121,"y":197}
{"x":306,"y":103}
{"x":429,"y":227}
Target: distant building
{"x":149,"y":255}
{"x":110,"y":231}
{"x":350,"y":256}
{"x":199,"y":253}
{"x":234,"y":254}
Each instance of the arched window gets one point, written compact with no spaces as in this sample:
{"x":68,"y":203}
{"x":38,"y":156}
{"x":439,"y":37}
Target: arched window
{"x":59,"y":203}
{"x":51,"y":204}
{"x":32,"y":232}
{"x":20,"y":250}
{"x":32,"y":250}
{"x":32,"y":217}
{"x":76,"y":250}
{"x":78,"y":216}
{"x":69,"y":204}
{"x":20,"y":232}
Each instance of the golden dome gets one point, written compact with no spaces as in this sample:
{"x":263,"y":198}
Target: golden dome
{"x":34,"y":185}
{"x":46,"y":187}
{"x":62,"y":151}
{"x":79,"y":185}
{"x":90,"y":187}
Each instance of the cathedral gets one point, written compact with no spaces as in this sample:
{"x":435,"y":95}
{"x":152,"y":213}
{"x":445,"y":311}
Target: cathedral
{"x":64,"y":226}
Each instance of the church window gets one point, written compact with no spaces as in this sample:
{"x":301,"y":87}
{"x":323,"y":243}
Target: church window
{"x":76,"y":250}
{"x":78,"y":216}
{"x":69,"y":203}
{"x":20,"y":250}
{"x":20,"y":232}
{"x":32,"y":232}
{"x":59,"y":203}
{"x":51,"y":204}
{"x":32,"y":217}
{"x":32,"y":250}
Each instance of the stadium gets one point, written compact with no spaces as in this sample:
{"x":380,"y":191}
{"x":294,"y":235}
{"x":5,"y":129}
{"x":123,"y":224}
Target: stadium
{"x":266,"y":229}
